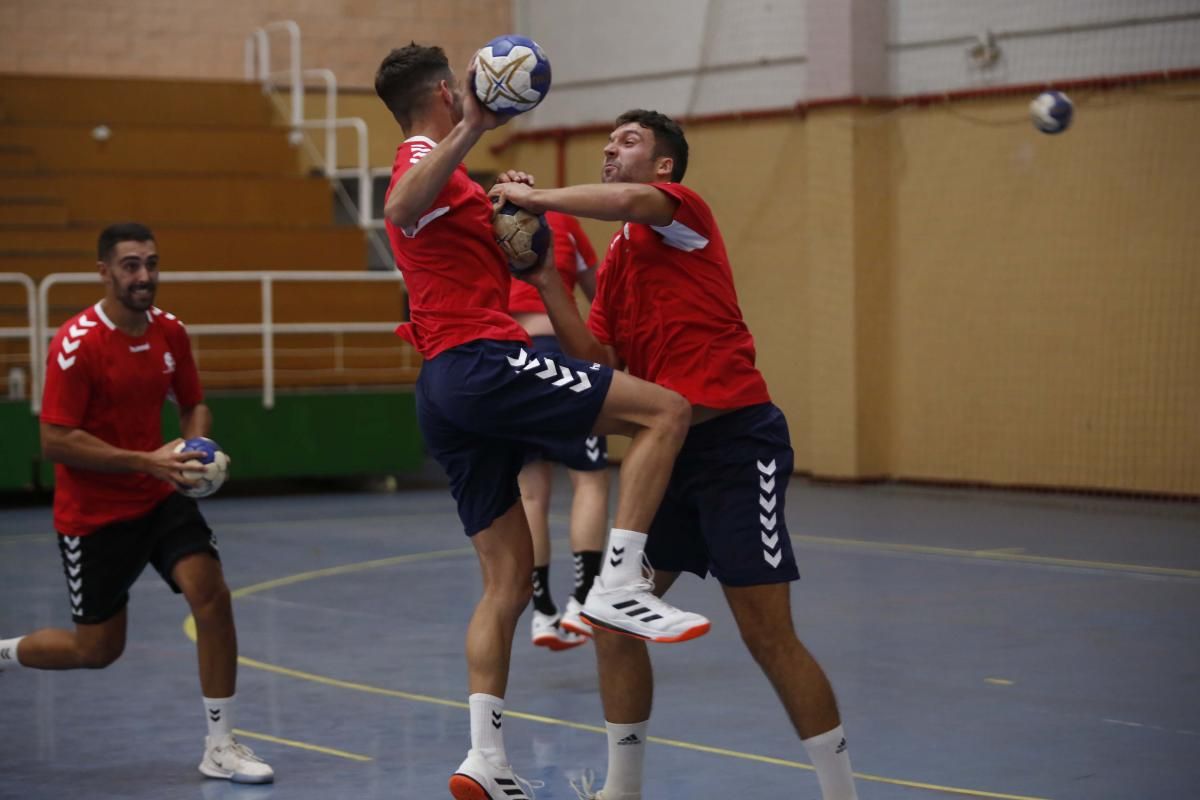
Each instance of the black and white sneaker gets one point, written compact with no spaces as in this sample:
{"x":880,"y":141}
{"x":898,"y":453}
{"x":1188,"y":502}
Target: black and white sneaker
{"x":633,"y":610}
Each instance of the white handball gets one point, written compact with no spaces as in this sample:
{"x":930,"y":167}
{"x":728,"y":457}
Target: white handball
{"x":1051,"y":112}
{"x":512,"y":74}
{"x":209,"y":471}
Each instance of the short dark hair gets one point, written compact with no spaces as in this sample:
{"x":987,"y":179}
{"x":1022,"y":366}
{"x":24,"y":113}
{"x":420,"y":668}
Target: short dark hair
{"x":405,"y":77}
{"x":119,"y":232}
{"x":668,"y":137}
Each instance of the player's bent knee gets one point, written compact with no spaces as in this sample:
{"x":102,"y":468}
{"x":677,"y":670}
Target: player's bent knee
{"x":213,"y":604}
{"x":99,"y":655}
{"x":675,"y":416}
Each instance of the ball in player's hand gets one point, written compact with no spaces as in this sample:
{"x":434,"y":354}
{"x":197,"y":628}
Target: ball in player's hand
{"x":512,"y":74}
{"x":522,"y":236}
{"x":208,"y":471}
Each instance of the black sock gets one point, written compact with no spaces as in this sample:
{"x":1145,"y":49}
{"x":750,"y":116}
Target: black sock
{"x":587,"y":567}
{"x":541,"y":591}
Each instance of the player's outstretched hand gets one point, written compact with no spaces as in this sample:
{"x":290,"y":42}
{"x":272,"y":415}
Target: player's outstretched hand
{"x":475,"y":115}
{"x":167,"y":465}
{"x":518,"y":193}
{"x":515,"y":176}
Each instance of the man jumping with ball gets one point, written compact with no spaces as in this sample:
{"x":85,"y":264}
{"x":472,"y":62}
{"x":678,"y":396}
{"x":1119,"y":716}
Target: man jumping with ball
{"x":110,"y":369}
{"x":485,"y":395}
{"x":666,"y":308}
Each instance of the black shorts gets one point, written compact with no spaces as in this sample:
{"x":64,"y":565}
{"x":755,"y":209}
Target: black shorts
{"x":101,"y":566}
{"x":723,"y":511}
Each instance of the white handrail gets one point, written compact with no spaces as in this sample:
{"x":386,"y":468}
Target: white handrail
{"x":331,"y":90}
{"x":29,"y":332}
{"x":258,"y":67}
{"x":267,"y":327}
{"x":259,"y":41}
{"x":362,"y":164}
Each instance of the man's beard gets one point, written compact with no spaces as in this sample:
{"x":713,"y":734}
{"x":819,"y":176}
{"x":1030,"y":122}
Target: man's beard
{"x":133,"y":303}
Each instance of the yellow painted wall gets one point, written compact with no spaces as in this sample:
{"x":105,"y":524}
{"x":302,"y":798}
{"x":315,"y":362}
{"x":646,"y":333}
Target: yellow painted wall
{"x":946,"y":294}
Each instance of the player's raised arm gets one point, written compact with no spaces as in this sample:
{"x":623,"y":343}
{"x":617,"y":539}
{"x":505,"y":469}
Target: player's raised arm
{"x":440,"y":101}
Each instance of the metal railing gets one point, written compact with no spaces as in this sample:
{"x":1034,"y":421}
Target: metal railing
{"x":268,"y":328}
{"x":258,"y":68}
{"x":30,"y":331}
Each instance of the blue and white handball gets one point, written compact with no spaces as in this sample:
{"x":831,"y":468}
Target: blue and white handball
{"x":512,"y":74}
{"x":209,"y":471}
{"x":1051,"y":112}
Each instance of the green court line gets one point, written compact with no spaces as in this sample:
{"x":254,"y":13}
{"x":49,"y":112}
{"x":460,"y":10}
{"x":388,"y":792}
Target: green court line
{"x":189,"y":627}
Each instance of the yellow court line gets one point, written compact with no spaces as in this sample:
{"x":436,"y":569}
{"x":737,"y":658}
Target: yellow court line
{"x":999,"y":555}
{"x":189,"y":627}
{"x":316,"y":748}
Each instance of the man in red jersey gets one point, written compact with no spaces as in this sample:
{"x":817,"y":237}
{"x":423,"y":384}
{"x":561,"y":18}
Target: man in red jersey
{"x":586,"y":459}
{"x":666,"y":309}
{"x":485,"y":396}
{"x":108,"y":372}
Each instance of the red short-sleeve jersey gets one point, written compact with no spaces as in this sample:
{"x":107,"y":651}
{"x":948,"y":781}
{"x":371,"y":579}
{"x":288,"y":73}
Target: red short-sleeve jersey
{"x":456,"y":276}
{"x":573,"y":254}
{"x":113,"y":386}
{"x":665,"y":302}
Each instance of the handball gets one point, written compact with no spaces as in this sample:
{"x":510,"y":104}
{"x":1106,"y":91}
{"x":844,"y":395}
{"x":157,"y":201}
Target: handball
{"x":209,"y":471}
{"x":522,"y":236}
{"x":1051,"y":112}
{"x":512,"y":75}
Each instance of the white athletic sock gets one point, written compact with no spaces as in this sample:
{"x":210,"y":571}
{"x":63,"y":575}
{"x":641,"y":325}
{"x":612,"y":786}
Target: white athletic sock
{"x":8,"y":653}
{"x":831,"y":758}
{"x":219,"y":713}
{"x":623,"y":558}
{"x":487,"y":732}
{"x":626,"y":755}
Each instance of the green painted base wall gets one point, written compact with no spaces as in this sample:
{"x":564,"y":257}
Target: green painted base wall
{"x":305,"y":435}
{"x":19,"y":445}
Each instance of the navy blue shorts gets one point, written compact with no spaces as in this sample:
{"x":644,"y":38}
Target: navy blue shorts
{"x":586,"y":454}
{"x":483,"y":404}
{"x":724,"y":508}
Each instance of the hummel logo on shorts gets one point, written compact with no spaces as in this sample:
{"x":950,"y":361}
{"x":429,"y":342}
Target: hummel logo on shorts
{"x":630,"y":739}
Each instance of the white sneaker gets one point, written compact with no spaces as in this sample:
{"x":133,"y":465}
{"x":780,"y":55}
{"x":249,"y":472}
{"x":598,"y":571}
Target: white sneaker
{"x":548,"y":632}
{"x":479,"y":779}
{"x":584,"y":791}
{"x":633,"y":610}
{"x":571,"y":620}
{"x":229,"y":759}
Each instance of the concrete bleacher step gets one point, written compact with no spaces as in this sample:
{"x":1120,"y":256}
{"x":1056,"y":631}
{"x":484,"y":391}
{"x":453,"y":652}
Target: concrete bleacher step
{"x":129,"y":147}
{"x":108,"y":101}
{"x":17,"y":159}
{"x":21,"y":211}
{"x":191,"y":248}
{"x":170,"y":199}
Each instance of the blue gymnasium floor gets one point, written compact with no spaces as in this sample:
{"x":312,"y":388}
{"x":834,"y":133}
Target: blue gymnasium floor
{"x":983,"y":644}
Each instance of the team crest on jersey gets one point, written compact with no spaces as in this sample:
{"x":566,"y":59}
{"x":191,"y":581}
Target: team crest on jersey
{"x":168,"y":363}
